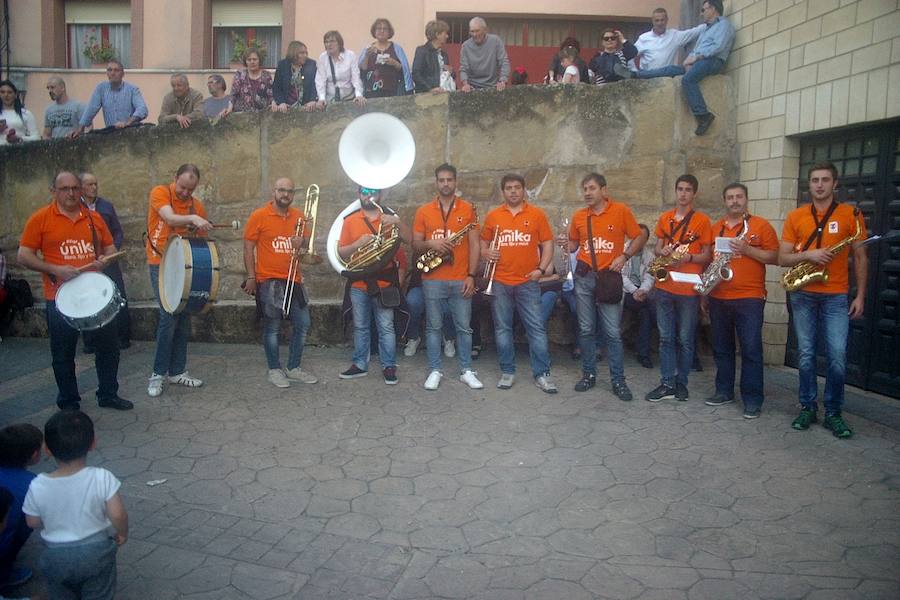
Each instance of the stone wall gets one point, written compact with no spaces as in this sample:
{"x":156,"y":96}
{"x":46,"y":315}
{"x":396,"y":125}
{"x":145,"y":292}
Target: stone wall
{"x":801,"y":67}
{"x":637,"y":133}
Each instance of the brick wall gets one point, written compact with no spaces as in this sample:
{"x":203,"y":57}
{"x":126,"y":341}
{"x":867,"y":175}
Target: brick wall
{"x":800,"y":67}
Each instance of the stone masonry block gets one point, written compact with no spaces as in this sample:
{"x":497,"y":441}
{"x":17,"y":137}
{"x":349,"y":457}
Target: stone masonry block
{"x":777,"y":43}
{"x":753,"y":52}
{"x":795,"y":58}
{"x":768,"y":76}
{"x":840,"y":100}
{"x":802,"y":77}
{"x":871,"y":57}
{"x":776,"y":6}
{"x":772,"y":127}
{"x":819,"y":49}
{"x":753,"y":13}
{"x":839,"y":20}
{"x":820,"y":7}
{"x":871,"y":9}
{"x":886,"y":27}
{"x":834,"y":68}
{"x":806,"y":32}
{"x":779,"y":77}
{"x":790,"y":17}
{"x":761,"y":109}
{"x":778,"y":105}
{"x":893,"y":101}
{"x":855,"y":38}
{"x":774,"y":334}
{"x":859,"y":87}
{"x":823,"y":105}
{"x":756,"y":74}
{"x":792,"y":114}
{"x":807,"y":109}
{"x":757,"y":150}
{"x":876,"y":102}
{"x":765,"y":28}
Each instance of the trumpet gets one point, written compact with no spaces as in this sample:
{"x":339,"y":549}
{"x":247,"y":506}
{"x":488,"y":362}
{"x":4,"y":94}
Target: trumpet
{"x":293,"y":269}
{"x":431,"y":260}
{"x":490,"y":267}
{"x":659,"y":267}
{"x":308,"y":255}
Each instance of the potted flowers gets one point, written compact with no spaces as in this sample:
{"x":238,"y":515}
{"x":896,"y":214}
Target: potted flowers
{"x":240,"y":45}
{"x":98,"y":51}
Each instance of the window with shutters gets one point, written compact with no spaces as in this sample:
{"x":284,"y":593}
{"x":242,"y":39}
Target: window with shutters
{"x":242,"y":23}
{"x":101,"y":26}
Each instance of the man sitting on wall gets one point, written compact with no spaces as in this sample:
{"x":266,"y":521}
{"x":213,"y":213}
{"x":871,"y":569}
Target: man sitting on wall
{"x":708,"y":58}
{"x":658,"y":47}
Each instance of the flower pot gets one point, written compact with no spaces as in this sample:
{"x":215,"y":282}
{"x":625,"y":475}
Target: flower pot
{"x":236,"y":65}
{"x":99,"y":65}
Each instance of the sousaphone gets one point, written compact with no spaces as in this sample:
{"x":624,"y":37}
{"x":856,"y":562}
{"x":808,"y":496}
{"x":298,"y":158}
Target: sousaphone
{"x":376,"y":151}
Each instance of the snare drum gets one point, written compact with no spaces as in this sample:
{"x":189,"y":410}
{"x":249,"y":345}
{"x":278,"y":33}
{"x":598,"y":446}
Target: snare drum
{"x":188,"y":275}
{"x":89,"y":301}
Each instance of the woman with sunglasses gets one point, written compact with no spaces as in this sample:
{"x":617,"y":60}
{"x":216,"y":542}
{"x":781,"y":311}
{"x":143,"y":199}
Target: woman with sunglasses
{"x":611,"y":63}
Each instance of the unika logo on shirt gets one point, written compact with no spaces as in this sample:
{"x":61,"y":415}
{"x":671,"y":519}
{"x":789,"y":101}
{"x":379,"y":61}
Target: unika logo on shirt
{"x":514,"y":237}
{"x":281,"y":244}
{"x":438,"y":234}
{"x":600,"y":245}
{"x":76,"y":249}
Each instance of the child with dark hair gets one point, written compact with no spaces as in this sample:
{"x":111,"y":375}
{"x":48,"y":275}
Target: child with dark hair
{"x":80,"y":559}
{"x":20,"y":448}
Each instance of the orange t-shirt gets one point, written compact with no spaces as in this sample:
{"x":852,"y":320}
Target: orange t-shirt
{"x":158,"y":231}
{"x":520,"y":238}
{"x":800,"y":224}
{"x":699,"y":226}
{"x":749,"y":279}
{"x":355,"y":227}
{"x":62,"y":241}
{"x":429,"y":221}
{"x":610,"y":228}
{"x":272,"y":233}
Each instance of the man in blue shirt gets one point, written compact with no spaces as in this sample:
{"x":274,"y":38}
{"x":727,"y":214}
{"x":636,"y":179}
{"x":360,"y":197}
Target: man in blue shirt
{"x":707,"y":58}
{"x":122,"y":103}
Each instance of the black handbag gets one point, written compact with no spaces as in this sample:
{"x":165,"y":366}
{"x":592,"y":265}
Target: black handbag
{"x":608,"y":285}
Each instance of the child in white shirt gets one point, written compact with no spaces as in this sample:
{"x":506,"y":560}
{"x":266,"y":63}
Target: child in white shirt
{"x":567,"y":58}
{"x":75,"y":506}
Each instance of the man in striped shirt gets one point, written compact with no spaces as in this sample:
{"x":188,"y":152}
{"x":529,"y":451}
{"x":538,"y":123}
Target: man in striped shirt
{"x":122,"y":103}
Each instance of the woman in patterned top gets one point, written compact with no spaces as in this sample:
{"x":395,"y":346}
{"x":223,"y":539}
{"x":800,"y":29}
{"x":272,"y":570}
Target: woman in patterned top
{"x":251,"y":90}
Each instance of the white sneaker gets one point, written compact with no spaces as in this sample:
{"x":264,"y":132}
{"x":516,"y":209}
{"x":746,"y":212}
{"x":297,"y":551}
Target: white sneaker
{"x":468,"y":377}
{"x":298,"y":374}
{"x":411,"y":347}
{"x":155,"y":385}
{"x":506,"y":381}
{"x":545,"y":383}
{"x":433,"y":381}
{"x":278,"y":379}
{"x":185,"y":380}
{"x":449,"y":348}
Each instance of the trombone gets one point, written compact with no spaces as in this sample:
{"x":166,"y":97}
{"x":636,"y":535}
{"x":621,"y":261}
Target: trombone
{"x":490,"y":267}
{"x":307,"y":255}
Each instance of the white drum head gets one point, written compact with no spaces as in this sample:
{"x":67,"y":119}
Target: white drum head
{"x":85,"y":295}
{"x":172,"y":274}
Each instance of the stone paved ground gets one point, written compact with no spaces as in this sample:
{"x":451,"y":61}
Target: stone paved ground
{"x":359,"y":490}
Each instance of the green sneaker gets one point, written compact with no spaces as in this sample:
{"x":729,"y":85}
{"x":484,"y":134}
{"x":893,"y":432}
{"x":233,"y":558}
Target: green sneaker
{"x":837,"y":426}
{"x":806,"y":418}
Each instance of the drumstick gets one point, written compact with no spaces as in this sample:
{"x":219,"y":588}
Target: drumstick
{"x":106,"y":259}
{"x":233,"y":225}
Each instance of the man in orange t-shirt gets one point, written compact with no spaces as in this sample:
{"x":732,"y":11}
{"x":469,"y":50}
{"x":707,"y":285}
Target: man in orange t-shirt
{"x":737,"y":305}
{"x":523,"y":254}
{"x":824,"y":308}
{"x":272,"y":241}
{"x":598,"y":231}
{"x":677,"y":304}
{"x":70,"y":239}
{"x":453,"y":281}
{"x":173,"y":209}
{"x":358,"y":229}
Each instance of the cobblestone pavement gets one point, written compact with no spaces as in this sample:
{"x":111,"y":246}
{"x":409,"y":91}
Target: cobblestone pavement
{"x":353,"y":489}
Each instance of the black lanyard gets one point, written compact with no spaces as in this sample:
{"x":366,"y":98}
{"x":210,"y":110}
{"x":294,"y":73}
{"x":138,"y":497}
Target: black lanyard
{"x":682,"y":227}
{"x":446,"y":217}
{"x":820,"y":225}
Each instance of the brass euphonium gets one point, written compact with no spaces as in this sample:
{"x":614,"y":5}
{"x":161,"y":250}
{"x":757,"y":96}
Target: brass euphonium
{"x":374,"y":255}
{"x":720,"y":267}
{"x":431,"y":259}
{"x":659,"y":266}
{"x":806,"y":272}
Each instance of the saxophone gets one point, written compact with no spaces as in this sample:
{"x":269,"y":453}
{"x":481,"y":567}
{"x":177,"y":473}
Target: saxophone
{"x":806,"y":272}
{"x":659,"y":266}
{"x":431,"y":259}
{"x":720,"y":267}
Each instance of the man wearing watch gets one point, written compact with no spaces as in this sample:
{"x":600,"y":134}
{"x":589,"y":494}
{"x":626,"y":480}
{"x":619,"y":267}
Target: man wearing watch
{"x":523,"y":253}
{"x":453,"y":281}
{"x":598,"y":232}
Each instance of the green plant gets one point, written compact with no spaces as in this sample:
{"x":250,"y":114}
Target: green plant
{"x":240,"y":45}
{"x":97,"y":51}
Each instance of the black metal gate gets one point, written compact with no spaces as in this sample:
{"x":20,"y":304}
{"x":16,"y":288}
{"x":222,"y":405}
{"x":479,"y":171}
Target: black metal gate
{"x":868,"y":160}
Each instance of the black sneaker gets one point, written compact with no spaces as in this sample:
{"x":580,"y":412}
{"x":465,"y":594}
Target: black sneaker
{"x":353,"y":372}
{"x":645,"y":362}
{"x":703,"y":123}
{"x":390,"y":375}
{"x":681,"y":393}
{"x":718,"y":399}
{"x":620,"y":389}
{"x":663,"y":392}
{"x":70,"y":406}
{"x":586,"y":382}
{"x":116,"y":403}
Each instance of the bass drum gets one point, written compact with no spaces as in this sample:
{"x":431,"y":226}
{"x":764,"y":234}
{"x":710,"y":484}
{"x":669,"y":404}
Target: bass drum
{"x":89,"y":301}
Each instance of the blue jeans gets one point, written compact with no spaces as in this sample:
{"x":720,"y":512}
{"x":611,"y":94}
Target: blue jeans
{"x":675,"y":315}
{"x":64,"y":340}
{"x":171,"y":335}
{"x":439,"y":293}
{"x":826,"y":315}
{"x":610,"y":316}
{"x":548,"y":301}
{"x":299,"y":316}
{"x":363,"y":307}
{"x":415,"y":301}
{"x":690,"y":83}
{"x":568,"y":297}
{"x":525,"y":299}
{"x":646,"y":319}
{"x":745,"y":316}
{"x":82,"y":569}
{"x":667,"y":71}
